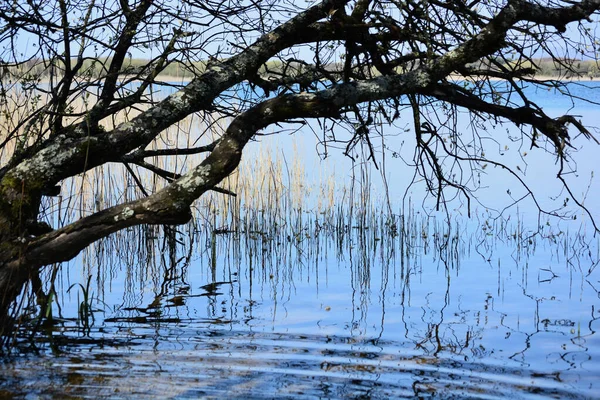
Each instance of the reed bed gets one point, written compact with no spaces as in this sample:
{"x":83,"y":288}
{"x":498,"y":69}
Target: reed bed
{"x":279,"y":218}
{"x":274,"y":202}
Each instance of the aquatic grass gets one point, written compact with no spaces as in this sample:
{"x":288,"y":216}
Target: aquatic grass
{"x":85,"y":312}
{"x":273,"y":195}
{"x":279,"y":221}
{"x":276,"y":205}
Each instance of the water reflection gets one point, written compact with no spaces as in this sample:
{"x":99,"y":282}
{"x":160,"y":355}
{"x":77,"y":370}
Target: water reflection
{"x":404,"y":308}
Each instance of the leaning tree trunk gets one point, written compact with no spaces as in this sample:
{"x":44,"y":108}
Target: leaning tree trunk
{"x":19,"y":205}
{"x":27,"y":245}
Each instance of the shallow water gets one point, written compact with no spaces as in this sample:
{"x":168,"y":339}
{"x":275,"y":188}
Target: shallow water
{"x":329,"y":310}
{"x":477,"y":318}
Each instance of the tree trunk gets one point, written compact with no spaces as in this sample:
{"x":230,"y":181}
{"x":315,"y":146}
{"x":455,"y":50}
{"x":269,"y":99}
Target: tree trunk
{"x":11,"y":285}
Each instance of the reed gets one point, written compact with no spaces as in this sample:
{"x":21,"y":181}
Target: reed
{"x":281,"y":218}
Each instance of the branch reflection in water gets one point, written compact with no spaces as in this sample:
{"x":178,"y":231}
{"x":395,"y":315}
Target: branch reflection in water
{"x":319,"y":303}
{"x":321,"y":290}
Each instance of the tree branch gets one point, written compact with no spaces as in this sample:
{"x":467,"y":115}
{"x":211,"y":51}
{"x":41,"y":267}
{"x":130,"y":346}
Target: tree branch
{"x":553,"y":128}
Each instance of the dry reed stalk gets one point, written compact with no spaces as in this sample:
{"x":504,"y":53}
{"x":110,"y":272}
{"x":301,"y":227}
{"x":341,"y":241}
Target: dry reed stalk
{"x":274,"y":193}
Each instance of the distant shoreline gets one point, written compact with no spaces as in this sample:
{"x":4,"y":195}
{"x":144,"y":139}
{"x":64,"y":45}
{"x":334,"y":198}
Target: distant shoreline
{"x":185,"y":80}
{"x":569,"y":79}
{"x":175,"y":79}
{"x":540,"y":78}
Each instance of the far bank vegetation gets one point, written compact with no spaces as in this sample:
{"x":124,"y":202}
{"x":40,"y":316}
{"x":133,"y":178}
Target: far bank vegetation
{"x":94,"y":68}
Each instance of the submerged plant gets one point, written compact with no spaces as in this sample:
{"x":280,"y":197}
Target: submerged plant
{"x":85,"y":311}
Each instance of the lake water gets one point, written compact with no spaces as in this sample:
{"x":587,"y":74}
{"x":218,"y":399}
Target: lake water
{"x":327,"y":307}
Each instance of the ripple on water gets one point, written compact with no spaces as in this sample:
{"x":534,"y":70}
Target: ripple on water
{"x":241,"y":364}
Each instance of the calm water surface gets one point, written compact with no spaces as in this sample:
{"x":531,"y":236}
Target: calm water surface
{"x":405,"y":308}
{"x":489,"y":321}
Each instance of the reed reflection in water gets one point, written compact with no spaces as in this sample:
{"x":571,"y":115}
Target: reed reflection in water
{"x":311,"y":291}
{"x":402,"y":307}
